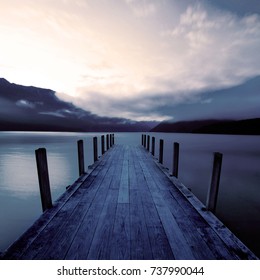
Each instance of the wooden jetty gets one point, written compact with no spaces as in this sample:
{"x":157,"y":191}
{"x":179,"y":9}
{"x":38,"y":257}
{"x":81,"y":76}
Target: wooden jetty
{"x":127,"y":207}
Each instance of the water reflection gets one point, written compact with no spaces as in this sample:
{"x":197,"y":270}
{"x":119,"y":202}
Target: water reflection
{"x":19,"y":173}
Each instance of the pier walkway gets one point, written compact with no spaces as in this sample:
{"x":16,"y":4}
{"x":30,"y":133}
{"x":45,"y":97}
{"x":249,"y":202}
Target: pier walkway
{"x":127,"y":207}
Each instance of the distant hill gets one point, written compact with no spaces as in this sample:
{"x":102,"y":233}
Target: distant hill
{"x":24,"y":108}
{"x":239,"y":102}
{"x":241,"y":127}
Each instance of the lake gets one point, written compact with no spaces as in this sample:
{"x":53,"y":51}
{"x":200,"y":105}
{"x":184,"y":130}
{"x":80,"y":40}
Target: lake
{"x":239,"y":195}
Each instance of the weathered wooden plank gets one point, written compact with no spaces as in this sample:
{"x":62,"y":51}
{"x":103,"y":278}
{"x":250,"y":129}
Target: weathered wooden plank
{"x":102,"y":178}
{"x":193,"y":221}
{"x":159,"y":242}
{"x":103,"y":184}
{"x":57,"y":246}
{"x":81,"y":244}
{"x":96,"y":197}
{"x":175,"y":236}
{"x":201,"y":226}
{"x":100,"y":247}
{"x":189,"y":228}
{"x":140,"y":243}
{"x":118,"y":164}
{"x":131,"y":171}
{"x":123,"y":196}
{"x":120,"y":239}
{"x":79,"y":247}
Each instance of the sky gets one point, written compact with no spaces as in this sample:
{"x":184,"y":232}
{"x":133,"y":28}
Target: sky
{"x":130,"y":58}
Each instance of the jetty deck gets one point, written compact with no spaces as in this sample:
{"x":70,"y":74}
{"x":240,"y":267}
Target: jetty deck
{"x":128,"y":207}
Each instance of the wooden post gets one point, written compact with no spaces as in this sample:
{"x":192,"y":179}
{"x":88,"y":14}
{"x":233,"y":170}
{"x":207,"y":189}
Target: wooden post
{"x":102,"y":144}
{"x":107,"y":138}
{"x":153,"y":145}
{"x":161,"y":152}
{"x":214,"y":186}
{"x":95,"y":149}
{"x":148,"y":143}
{"x":43,"y":176}
{"x":81,"y":157}
{"x":175,"y":168}
{"x":142,"y":139}
{"x":145,"y":140}
{"x":111,"y":141}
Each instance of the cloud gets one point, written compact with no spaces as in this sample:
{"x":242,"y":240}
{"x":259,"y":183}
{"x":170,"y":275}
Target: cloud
{"x":218,"y":49}
{"x":131,"y":58}
{"x":204,"y":50}
{"x":55,"y":114}
{"x":142,"y":8}
{"x":25,"y":104}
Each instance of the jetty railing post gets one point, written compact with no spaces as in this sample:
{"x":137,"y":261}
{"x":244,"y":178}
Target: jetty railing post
{"x":148,"y":143}
{"x":111,"y":142}
{"x":161,"y":151}
{"x":142,"y":139}
{"x":95,"y":149}
{"x":153,"y":145}
{"x":81,"y":157}
{"x":107,"y":138}
{"x":175,"y":168}
{"x":43,"y":176}
{"x":145,"y":140}
{"x":113,"y":139}
{"x":214,"y":186}
{"x":102,"y":144}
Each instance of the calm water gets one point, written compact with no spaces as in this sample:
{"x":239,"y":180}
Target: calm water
{"x":239,"y":198}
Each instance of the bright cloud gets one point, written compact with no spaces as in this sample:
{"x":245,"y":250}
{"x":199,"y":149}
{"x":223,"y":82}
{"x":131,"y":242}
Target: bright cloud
{"x":143,"y":8}
{"x":127,"y":58}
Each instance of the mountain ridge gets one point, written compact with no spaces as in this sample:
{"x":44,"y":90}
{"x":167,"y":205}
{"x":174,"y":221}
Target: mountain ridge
{"x":29,"y":108}
{"x":234,"y":127}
